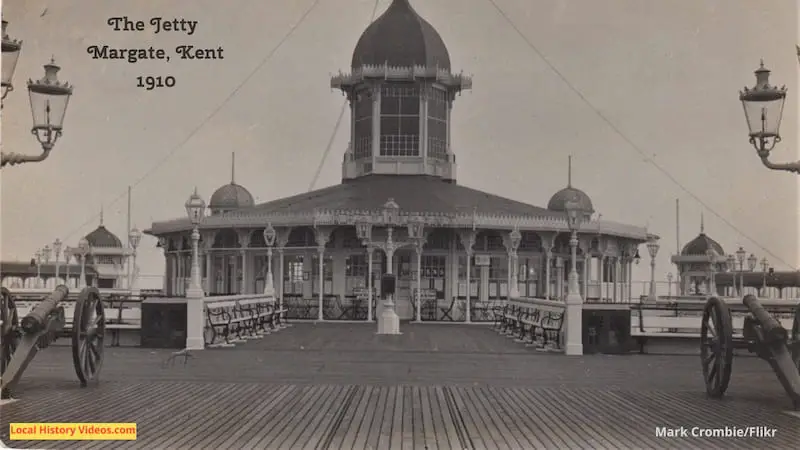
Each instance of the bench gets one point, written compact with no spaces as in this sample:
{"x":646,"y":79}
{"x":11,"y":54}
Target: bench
{"x":241,"y":318}
{"x":533,"y":322}
{"x":681,"y":321}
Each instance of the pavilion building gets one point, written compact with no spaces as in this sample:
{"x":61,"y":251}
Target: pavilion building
{"x":399,"y":209}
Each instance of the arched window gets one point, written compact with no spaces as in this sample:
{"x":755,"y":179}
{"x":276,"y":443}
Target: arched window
{"x":399,"y":121}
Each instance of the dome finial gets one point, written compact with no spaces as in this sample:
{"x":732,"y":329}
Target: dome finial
{"x":569,"y":171}
{"x":101,"y":215}
{"x":233,"y":167}
{"x":702,"y":224}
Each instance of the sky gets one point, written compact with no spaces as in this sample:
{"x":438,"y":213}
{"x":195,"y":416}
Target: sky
{"x":665,"y":75}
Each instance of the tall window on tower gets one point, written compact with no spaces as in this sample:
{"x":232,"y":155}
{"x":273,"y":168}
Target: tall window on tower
{"x":362,"y":141}
{"x":437,"y":124}
{"x":399,"y":121}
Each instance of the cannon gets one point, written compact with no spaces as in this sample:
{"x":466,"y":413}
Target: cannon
{"x":762,"y":334}
{"x":23,"y":338}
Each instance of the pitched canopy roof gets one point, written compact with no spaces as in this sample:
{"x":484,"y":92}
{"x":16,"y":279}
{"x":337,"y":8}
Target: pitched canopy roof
{"x":101,"y":237}
{"x":400,"y":37}
{"x":418,"y":193}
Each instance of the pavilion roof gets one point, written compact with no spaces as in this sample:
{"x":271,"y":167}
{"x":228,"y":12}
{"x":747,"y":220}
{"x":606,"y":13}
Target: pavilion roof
{"x":441,"y":203}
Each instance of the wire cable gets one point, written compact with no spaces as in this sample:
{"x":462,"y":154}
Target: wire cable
{"x":616,"y":129}
{"x":206,"y":120}
{"x":338,"y":122}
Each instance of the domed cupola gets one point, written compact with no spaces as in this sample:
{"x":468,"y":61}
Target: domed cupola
{"x":230,"y":196}
{"x":401,"y":93}
{"x":558,"y":202}
{"x":101,"y":237}
{"x":401,"y":38}
{"x":700,"y":245}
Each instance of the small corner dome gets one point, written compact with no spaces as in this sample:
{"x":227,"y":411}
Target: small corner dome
{"x":231,"y":196}
{"x":701,"y":245}
{"x":558,"y":202}
{"x":401,"y":38}
{"x":101,"y":237}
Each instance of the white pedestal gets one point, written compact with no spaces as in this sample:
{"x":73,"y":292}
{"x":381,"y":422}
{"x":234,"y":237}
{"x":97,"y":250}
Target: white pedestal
{"x":388,"y":320}
{"x":194,"y":319}
{"x":269,"y":287}
{"x":574,"y":325}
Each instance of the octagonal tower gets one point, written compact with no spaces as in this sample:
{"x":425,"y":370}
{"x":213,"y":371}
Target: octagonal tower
{"x":400,"y":90}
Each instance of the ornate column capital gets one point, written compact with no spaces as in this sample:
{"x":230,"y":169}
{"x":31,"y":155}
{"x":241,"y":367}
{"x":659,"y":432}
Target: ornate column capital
{"x":244,"y":236}
{"x":322,"y":234}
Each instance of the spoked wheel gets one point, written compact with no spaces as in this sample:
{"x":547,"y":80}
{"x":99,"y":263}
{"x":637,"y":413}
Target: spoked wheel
{"x":10,"y":332}
{"x":716,"y":346}
{"x":796,"y":338}
{"x":88,"y":332}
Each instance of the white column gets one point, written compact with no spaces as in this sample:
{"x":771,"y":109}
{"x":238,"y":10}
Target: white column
{"x":548,"y":262}
{"x":209,"y":271}
{"x":376,"y":125}
{"x":417,"y":299}
{"x":468,"y":318}
{"x":574,"y":304}
{"x":585,"y":276}
{"x":321,"y":256}
{"x":370,"y":251}
{"x":195,"y":301}
{"x":280,"y":277}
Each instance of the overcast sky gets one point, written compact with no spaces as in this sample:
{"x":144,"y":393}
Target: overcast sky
{"x":666,"y":73}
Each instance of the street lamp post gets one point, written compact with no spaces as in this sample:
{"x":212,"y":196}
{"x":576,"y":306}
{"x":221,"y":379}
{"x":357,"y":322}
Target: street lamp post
{"x":83,"y":249}
{"x":574,"y":301}
{"x":740,"y":257}
{"x":38,"y":257}
{"x":134,"y":237}
{"x":669,"y":284}
{"x":46,"y":252}
{"x":752,"y":262}
{"x":652,"y":249}
{"x":712,"y":269}
{"x":763,"y":110}
{"x":364,"y":233}
{"x":195,"y":209}
{"x":389,"y":321}
{"x":48,"y":96}
{"x":57,"y":246}
{"x":516,"y":237}
{"x":764,"y":268}
{"x":68,"y":251}
{"x":269,"y":237}
{"x":416,"y":232}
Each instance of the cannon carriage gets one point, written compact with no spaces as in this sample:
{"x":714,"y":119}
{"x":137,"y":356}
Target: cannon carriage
{"x":761,"y":334}
{"x":23,"y":337}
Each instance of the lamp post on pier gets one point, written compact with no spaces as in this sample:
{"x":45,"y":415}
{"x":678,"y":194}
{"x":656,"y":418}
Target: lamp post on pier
{"x":134,"y":237}
{"x":57,"y":246}
{"x":669,"y":284}
{"x":712,"y":269}
{"x":269,"y":238}
{"x":516,"y":237}
{"x":763,"y":110}
{"x":68,"y":251}
{"x":38,"y":260}
{"x":195,"y":209}
{"x":83,"y":249}
{"x":574,"y":301}
{"x":764,"y":268}
{"x":652,"y":249}
{"x":48,"y":96}
{"x":416,"y":232}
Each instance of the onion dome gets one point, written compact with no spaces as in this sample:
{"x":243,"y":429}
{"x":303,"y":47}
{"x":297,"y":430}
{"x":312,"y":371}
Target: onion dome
{"x":559,"y":200}
{"x":702,"y":244}
{"x":101,"y":237}
{"x":401,"y":38}
{"x":231,"y":195}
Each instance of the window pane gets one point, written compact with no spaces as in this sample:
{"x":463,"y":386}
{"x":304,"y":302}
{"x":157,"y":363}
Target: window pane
{"x":390,"y":126}
{"x":390,"y":105}
{"x":409,"y":125}
{"x":409,"y":106}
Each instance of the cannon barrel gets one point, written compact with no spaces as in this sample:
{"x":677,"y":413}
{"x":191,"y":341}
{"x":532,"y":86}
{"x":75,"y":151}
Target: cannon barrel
{"x":773,"y":331}
{"x":37,"y":318}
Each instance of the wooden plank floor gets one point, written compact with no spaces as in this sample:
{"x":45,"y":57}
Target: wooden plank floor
{"x":434,"y":387}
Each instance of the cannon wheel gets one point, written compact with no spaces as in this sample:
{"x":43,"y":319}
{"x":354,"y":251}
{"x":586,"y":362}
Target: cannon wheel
{"x":10,"y":331}
{"x":88,"y":331}
{"x":716,"y":346}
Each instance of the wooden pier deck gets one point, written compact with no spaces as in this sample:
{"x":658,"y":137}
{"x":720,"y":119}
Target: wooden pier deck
{"x":338,"y":386}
